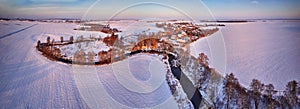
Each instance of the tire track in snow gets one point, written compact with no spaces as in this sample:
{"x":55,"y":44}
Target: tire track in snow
{"x":9,"y":34}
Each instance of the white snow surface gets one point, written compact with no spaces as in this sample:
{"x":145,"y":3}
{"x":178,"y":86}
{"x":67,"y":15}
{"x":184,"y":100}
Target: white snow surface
{"x":29,"y":80}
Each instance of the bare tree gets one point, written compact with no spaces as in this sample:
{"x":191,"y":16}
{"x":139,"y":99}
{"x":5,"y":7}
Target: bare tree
{"x":38,"y":44}
{"x":53,"y":41}
{"x":291,"y":93}
{"x":61,"y":39}
{"x":230,"y":85}
{"x":48,"y":40}
{"x":243,"y":99}
{"x":71,"y":39}
{"x":256,"y":88}
{"x":269,"y":91}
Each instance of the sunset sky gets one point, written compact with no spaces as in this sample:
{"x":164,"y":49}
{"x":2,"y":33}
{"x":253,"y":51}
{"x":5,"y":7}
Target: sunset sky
{"x":101,"y":9}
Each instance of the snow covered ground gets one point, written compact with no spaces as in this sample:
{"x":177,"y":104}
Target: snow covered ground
{"x":11,"y":27}
{"x":267,"y":51}
{"x":29,"y":80}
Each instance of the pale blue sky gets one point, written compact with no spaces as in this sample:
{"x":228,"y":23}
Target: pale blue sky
{"x":102,"y":9}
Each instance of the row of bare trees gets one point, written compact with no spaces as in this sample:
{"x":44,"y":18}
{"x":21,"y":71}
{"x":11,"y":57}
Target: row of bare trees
{"x":259,"y":95}
{"x":49,"y":48}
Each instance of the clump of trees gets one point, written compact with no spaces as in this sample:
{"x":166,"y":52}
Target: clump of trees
{"x":50,"y":48}
{"x":237,"y":96}
{"x":258,"y":96}
{"x":203,"y":59}
{"x":110,"y":40}
{"x":105,"y":56}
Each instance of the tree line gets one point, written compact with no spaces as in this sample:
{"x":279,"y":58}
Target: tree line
{"x":258,"y":96}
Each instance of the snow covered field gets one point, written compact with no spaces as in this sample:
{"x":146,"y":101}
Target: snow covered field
{"x":272,"y":53}
{"x":29,"y":80}
{"x":267,"y":51}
